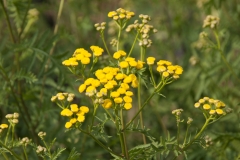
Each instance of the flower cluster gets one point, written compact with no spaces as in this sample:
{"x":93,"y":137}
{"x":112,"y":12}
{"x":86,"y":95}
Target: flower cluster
{"x":143,"y":29}
{"x":76,"y":114}
{"x":83,"y":56}
{"x":63,"y":97}
{"x":40,"y":149}
{"x":210,"y":21}
{"x":112,"y":86}
{"x":120,"y":14}
{"x":100,"y":26}
{"x":25,"y":141}
{"x":169,"y":71}
{"x":12,"y":118}
{"x":211,"y":106}
{"x":72,"y":111}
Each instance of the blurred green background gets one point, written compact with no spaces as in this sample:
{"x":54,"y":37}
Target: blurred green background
{"x":39,"y":74}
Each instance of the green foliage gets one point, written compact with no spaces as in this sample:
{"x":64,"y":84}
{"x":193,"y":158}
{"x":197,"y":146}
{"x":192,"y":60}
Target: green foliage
{"x":31,"y":71}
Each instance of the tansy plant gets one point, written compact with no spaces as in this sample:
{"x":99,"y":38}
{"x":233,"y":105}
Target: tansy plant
{"x":117,"y":86}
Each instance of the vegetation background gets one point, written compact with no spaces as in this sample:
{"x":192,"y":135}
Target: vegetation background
{"x":31,"y":69}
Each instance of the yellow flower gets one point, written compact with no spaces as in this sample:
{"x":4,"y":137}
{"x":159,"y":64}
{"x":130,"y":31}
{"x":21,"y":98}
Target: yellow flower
{"x":129,"y":59}
{"x":133,"y":63}
{"x":115,"y":94}
{"x":112,"y":13}
{"x":95,"y":83}
{"x":196,"y":105}
{"x":88,"y":81}
{"x":127,"y":79}
{"x":107,"y":103}
{"x":85,"y":60}
{"x":123,"y":64}
{"x":140,"y":64}
{"x":108,"y":86}
{"x":84,"y":109}
{"x":66,"y":112}
{"x":219,"y":111}
{"x":118,"y":100}
{"x":119,"y":76}
{"x":73,"y":120}
{"x":179,"y":70}
{"x":206,"y":106}
{"x":127,"y":99}
{"x":122,"y":16}
{"x":81,"y":118}
{"x":165,"y":74}
{"x":121,"y":90}
{"x":79,"y":56}
{"x":115,"y":18}
{"x":135,"y":83}
{"x":150,"y":60}
{"x":212,"y":111}
{"x":125,"y":86}
{"x":127,"y":106}
{"x":97,"y":51}
{"x":74,"y":107}
{"x":103,"y":91}
{"x":68,"y":125}
{"x":82,"y":88}
{"x":3,"y":126}
{"x":116,"y":55}
{"x":90,"y":89}
{"x":109,"y":76}
{"x":129,"y":93}
{"x":161,"y":68}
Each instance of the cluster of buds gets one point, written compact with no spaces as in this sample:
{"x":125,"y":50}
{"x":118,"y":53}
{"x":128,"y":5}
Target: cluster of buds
{"x":211,"y":107}
{"x":40,"y":149}
{"x":25,"y":141}
{"x":189,"y":121}
{"x":177,"y":113}
{"x":208,"y":141}
{"x":100,"y":26}
{"x":63,"y":97}
{"x":143,"y":29}
{"x":41,"y":134}
{"x":120,"y":14}
{"x":114,"y":42}
{"x":211,"y":21}
{"x":13,"y":118}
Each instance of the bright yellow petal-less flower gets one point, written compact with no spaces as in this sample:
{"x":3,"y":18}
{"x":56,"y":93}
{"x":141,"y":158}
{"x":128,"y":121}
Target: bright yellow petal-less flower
{"x":123,"y":64}
{"x":84,"y":109}
{"x":115,"y":94}
{"x":85,"y":60}
{"x":80,"y":118}
{"x":68,"y":125}
{"x":107,"y":103}
{"x":74,"y":107}
{"x":150,"y":60}
{"x":73,"y":120}
{"x":3,"y":126}
{"x":219,"y":111}
{"x":127,"y":106}
{"x":118,"y":100}
{"x":206,"y":106}
{"x":82,"y":88}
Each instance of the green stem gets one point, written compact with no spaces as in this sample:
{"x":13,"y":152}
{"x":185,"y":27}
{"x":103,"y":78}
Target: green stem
{"x":186,"y":134}
{"x":94,"y":113}
{"x":5,"y":156}
{"x":25,"y":153}
{"x":6,"y":138}
{"x":105,"y":45}
{"x":145,"y":103}
{"x":118,"y":123}
{"x":130,"y":52}
{"x":8,"y":21}
{"x":23,"y":21}
{"x":119,"y":35}
{"x":198,"y":134}
{"x":153,"y":80}
{"x":14,"y":154}
{"x":98,"y":142}
{"x":178,"y":130}
{"x":139,"y":107}
{"x":222,"y":55}
{"x":123,"y":134}
{"x":48,"y":149}
{"x":13,"y":132}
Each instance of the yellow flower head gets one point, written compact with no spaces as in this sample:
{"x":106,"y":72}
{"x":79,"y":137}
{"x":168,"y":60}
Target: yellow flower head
{"x":80,"y":118}
{"x":107,"y":103}
{"x":3,"y":126}
{"x":206,"y":106}
{"x":112,"y":13}
{"x":68,"y":125}
{"x":123,"y":64}
{"x":118,"y":100}
{"x":115,"y":94}
{"x":97,"y":51}
{"x":140,"y":64}
{"x":150,"y":60}
{"x":127,"y":106}
{"x":84,"y":109}
{"x":66,"y":112}
{"x":82,"y":88}
{"x":85,"y":60}
{"x":74,"y":107}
